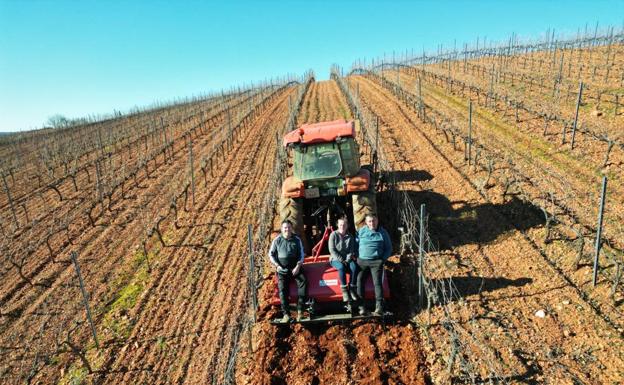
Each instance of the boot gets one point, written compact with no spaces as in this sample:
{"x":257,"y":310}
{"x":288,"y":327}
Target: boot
{"x":345,"y":297}
{"x":353,"y":293}
{"x":286,"y":318}
{"x":378,"y":309}
{"x":362,"y":310}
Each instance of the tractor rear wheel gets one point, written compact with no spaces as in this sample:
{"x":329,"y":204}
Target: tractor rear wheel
{"x":363,"y":203}
{"x":292,"y":209}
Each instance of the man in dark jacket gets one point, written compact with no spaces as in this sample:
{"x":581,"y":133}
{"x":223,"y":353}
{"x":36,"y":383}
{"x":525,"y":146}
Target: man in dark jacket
{"x":286,"y":254}
{"x":374,"y":248}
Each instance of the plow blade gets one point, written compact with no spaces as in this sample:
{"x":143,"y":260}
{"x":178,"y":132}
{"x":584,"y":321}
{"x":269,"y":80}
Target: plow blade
{"x":340,"y":317}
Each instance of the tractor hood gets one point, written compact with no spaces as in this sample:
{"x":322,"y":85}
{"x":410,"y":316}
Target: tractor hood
{"x":324,"y":132}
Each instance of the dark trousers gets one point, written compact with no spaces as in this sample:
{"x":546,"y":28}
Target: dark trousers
{"x":283,"y":283}
{"x":375,"y":267}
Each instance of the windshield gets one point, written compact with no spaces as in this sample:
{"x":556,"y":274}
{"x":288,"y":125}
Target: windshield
{"x":317,"y":161}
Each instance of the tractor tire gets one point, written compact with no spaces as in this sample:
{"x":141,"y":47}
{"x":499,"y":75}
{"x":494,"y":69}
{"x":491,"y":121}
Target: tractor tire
{"x":292,"y":209}
{"x":363,"y":203}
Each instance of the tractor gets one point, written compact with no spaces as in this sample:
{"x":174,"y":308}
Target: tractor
{"x":326,"y":182}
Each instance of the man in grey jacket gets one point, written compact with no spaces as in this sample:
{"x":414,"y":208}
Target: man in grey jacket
{"x":286,"y":254}
{"x":342,"y":257}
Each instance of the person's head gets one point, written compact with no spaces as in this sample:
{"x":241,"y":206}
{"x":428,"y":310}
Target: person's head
{"x":287,"y":228}
{"x":342,"y":224}
{"x":371,"y":221}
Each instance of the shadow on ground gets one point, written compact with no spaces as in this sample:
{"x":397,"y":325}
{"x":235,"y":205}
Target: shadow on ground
{"x":456,"y":223}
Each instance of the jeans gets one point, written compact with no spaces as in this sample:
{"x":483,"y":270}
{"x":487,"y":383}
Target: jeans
{"x":283,"y":283}
{"x":375,"y":266}
{"x":350,"y":268}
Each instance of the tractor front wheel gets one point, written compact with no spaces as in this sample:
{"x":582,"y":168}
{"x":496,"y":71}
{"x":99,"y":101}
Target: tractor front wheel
{"x":363,"y":203}
{"x":292,"y":209}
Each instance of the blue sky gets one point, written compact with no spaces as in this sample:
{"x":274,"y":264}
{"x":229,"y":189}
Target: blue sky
{"x":77,"y":58}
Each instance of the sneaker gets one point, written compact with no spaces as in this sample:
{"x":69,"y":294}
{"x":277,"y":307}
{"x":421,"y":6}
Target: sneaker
{"x":286,"y":318}
{"x":362,"y":310}
{"x":299,"y":315}
{"x":378,"y":311}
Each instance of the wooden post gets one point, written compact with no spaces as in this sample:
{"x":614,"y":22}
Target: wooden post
{"x":559,"y":76}
{"x":8,"y":193}
{"x":252,"y":281}
{"x":98,"y":181}
{"x":578,"y":103}
{"x":376,"y":134}
{"x":100,"y":141}
{"x":191,"y":170}
{"x":162,"y":127}
{"x":599,"y":229}
{"x":85,"y":297}
{"x":421,"y":255}
{"x":420,"y":97}
{"x":469,"y":132}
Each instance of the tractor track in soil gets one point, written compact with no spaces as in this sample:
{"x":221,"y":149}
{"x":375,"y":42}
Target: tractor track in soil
{"x":502,"y":275}
{"x":196,"y":314}
{"x":357,"y":353}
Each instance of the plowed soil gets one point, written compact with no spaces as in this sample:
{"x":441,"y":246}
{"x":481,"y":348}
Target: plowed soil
{"x":358,"y":353}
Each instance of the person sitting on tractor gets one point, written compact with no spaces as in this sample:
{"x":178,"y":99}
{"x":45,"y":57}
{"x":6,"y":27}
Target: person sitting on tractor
{"x":286,"y":254}
{"x":343,"y":257}
{"x":374,"y":248}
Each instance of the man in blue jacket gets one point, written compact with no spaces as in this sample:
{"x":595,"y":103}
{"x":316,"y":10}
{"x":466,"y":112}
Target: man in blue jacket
{"x":374,"y":248}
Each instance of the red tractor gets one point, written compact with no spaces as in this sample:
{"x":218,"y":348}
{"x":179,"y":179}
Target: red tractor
{"x":326,"y":182}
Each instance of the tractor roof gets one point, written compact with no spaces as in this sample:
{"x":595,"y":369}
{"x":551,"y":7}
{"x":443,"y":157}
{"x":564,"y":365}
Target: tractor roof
{"x":323,"y":132}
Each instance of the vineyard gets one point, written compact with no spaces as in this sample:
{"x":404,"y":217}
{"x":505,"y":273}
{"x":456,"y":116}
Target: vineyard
{"x":126,"y":242}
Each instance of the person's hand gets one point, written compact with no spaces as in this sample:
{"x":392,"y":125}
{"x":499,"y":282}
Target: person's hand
{"x":297,"y":268}
{"x":280,"y":269}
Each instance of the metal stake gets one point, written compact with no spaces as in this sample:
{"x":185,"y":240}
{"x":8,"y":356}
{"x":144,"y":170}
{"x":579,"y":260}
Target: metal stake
{"x":191,"y":170}
{"x":578,"y":103}
{"x":421,"y":254}
{"x":8,"y":193}
{"x":85,"y":297}
{"x":469,"y":132}
{"x":599,"y":230}
{"x":252,"y":267}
